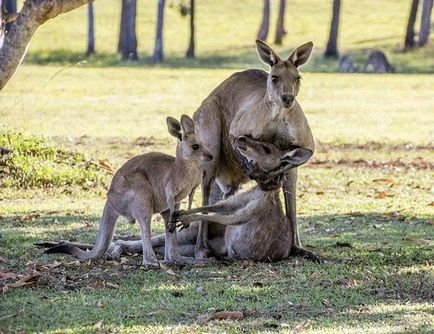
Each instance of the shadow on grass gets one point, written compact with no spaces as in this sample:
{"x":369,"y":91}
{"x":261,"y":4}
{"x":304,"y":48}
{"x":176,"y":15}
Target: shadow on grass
{"x":376,"y":280}
{"x":241,"y":58}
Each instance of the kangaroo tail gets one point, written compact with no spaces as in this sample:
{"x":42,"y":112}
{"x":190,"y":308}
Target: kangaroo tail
{"x":103,"y":239}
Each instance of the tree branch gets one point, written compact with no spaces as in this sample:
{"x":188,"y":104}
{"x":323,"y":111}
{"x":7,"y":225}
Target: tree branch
{"x":33,"y":14}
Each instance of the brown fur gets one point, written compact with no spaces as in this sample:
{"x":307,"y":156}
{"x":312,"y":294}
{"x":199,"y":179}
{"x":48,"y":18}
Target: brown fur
{"x":148,"y":184}
{"x":250,"y":104}
{"x":256,"y":227}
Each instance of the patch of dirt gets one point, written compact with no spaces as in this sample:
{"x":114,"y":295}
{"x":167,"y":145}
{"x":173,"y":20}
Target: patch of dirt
{"x":372,"y":146}
{"x":109,"y":141}
{"x":396,"y":164}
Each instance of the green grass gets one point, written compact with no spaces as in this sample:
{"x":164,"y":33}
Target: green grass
{"x":369,"y":184}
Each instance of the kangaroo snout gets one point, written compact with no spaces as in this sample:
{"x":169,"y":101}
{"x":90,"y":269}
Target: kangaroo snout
{"x":209,"y":156}
{"x":287,"y":100}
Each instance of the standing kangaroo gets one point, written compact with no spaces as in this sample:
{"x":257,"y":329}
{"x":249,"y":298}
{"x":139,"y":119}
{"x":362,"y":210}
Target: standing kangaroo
{"x":147,"y":184}
{"x":262,"y":106}
{"x":256,"y":228}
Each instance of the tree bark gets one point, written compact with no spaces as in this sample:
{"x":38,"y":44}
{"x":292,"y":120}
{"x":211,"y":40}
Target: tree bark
{"x":91,"y":29}
{"x":127,"y":45}
{"x":425,"y":22}
{"x":158,"y":50}
{"x":263,"y":29}
{"x":409,"y":36}
{"x":33,"y":14}
{"x":11,"y":7}
{"x":2,"y":23}
{"x":190,"y":51}
{"x":332,"y":45}
{"x":280,"y":27}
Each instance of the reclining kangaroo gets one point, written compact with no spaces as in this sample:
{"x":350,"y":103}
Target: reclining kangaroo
{"x":256,"y":227}
{"x":147,"y":184}
{"x":262,"y":106}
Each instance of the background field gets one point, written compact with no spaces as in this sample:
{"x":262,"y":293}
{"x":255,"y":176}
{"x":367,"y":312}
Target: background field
{"x":365,"y":200}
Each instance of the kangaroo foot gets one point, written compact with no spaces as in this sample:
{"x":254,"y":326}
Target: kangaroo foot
{"x":303,"y":252}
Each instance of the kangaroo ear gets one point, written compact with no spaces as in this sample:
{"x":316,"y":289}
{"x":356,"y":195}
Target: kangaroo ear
{"x":174,"y":127}
{"x":266,"y":54}
{"x":296,"y":157}
{"x":301,"y":54}
{"x":187,"y":125}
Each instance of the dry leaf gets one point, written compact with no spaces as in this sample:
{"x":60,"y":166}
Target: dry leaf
{"x":104,"y":164}
{"x":424,"y":242}
{"x":380,"y":195}
{"x":431,"y":204}
{"x":301,"y":327}
{"x":5,"y":274}
{"x":223,"y":315}
{"x":170,"y":272}
{"x":384,"y":181}
{"x":112,"y":285}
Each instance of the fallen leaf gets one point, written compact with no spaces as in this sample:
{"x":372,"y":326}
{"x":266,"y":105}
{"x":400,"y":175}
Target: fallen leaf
{"x":6,"y":274}
{"x":431,"y":204}
{"x":170,"y":272}
{"x":380,"y":195}
{"x":223,"y":315}
{"x":425,"y":242}
{"x":301,"y":327}
{"x":384,"y":181}
{"x":112,"y":285}
{"x":105,"y":165}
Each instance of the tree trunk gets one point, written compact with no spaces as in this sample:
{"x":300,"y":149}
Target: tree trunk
{"x":91,"y":30}
{"x":11,"y":7}
{"x":263,"y":29}
{"x":425,"y":22}
{"x":2,"y":23}
{"x":190,"y":50}
{"x":280,"y":27}
{"x":409,"y":36}
{"x":158,"y":50}
{"x":332,"y":45}
{"x":127,"y":45}
{"x":32,"y":15}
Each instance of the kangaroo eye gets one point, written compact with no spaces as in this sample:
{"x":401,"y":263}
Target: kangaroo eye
{"x":274,"y":79}
{"x":266,"y":149}
{"x":195,"y":147}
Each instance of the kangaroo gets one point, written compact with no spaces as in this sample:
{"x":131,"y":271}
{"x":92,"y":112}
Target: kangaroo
{"x":378,"y":60}
{"x":262,"y":106}
{"x":147,"y":184}
{"x":256,"y":228}
{"x":346,"y":64}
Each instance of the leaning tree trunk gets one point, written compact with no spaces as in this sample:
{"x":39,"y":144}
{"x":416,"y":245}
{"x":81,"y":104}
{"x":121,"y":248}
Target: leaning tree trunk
{"x":190,"y":50}
{"x":127,"y":45}
{"x":332,"y":45}
{"x":33,"y":14}
{"x":10,"y":7}
{"x":158,"y":50}
{"x":280,"y":27}
{"x":409,"y":36}
{"x":91,"y":30}
{"x":263,"y":29}
{"x":425,"y":22}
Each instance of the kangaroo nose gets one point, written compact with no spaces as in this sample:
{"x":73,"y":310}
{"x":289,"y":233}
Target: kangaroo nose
{"x":209,"y":156}
{"x":287,"y":99}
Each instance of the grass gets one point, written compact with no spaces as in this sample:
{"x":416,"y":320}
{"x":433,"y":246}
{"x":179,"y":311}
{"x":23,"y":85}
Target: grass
{"x":365,"y":201}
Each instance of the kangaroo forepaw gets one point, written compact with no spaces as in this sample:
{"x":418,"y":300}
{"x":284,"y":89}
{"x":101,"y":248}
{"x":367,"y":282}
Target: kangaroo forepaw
{"x":303,"y":252}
